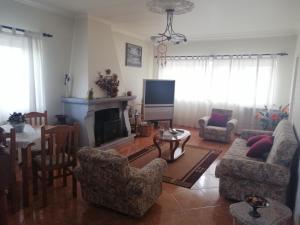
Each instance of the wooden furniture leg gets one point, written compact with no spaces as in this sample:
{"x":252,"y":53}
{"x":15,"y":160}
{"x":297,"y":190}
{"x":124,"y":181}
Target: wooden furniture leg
{"x":156,"y":142}
{"x":3,"y":208}
{"x":25,"y":176}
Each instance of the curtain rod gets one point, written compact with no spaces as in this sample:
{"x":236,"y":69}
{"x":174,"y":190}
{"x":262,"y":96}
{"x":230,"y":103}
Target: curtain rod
{"x":207,"y":56}
{"x":23,"y":30}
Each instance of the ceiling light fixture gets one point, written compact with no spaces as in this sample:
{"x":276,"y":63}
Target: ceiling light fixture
{"x":171,"y":8}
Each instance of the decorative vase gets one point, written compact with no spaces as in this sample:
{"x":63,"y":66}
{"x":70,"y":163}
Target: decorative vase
{"x":256,"y":202}
{"x":19,"y":127}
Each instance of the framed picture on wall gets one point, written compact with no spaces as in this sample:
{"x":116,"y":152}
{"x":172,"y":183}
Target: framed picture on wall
{"x":133,"y":55}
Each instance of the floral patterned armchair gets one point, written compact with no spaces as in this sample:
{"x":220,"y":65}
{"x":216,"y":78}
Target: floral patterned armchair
{"x":107,"y":179}
{"x":216,"y":133}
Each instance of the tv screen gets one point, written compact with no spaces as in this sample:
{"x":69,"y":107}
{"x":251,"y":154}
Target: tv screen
{"x":159,"y":92}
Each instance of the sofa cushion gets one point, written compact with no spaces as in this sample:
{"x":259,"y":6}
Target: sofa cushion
{"x":284,"y":144}
{"x":238,"y":150}
{"x":218,"y":119}
{"x":259,"y":148}
{"x":252,"y":140}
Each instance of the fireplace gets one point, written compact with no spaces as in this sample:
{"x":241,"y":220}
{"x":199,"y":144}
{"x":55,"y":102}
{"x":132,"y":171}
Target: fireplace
{"x":107,"y":125}
{"x":104,"y":121}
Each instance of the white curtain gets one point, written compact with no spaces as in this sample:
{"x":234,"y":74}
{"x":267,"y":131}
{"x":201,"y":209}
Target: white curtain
{"x":243,"y":84}
{"x":20,"y":74}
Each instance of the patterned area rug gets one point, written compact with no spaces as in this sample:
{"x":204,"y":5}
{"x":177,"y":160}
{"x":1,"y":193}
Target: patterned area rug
{"x":184,"y":171}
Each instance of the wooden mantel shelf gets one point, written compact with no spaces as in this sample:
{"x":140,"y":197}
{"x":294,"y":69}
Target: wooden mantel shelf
{"x":97,"y":101}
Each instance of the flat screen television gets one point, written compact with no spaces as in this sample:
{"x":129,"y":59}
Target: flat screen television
{"x":158,"y":99}
{"x":159,"y":92}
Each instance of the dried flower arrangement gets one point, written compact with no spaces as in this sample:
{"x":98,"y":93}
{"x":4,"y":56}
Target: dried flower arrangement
{"x":109,"y":83}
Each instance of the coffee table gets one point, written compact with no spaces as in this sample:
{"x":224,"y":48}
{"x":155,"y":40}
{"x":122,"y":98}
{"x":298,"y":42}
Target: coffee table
{"x":275,"y":214}
{"x":177,"y":142}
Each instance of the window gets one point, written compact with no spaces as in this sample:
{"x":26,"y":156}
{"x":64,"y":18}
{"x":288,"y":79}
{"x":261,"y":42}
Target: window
{"x":239,"y":83}
{"x":20,"y":75}
{"x":235,"y":81}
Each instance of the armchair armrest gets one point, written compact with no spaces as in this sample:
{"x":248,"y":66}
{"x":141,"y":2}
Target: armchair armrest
{"x":253,"y":170}
{"x":231,"y":124}
{"x":153,"y":171}
{"x":150,"y":174}
{"x":245,"y":134}
{"x":203,"y":121}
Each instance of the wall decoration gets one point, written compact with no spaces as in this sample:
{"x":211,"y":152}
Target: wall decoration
{"x":133,"y":55}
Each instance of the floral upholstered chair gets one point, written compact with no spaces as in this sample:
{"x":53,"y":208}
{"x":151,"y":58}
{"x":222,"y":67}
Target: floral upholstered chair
{"x":219,"y":126}
{"x":107,"y":180}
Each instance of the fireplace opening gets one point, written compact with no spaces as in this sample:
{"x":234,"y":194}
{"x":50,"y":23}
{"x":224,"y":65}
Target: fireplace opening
{"x":107,"y":125}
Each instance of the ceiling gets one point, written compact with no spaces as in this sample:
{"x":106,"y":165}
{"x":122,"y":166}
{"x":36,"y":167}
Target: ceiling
{"x":209,"y":19}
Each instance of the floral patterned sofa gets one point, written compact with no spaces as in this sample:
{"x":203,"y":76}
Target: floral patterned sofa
{"x":241,"y":175}
{"x":106,"y":179}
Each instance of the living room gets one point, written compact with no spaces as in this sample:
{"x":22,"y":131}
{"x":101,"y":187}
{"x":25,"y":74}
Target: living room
{"x":81,"y":40}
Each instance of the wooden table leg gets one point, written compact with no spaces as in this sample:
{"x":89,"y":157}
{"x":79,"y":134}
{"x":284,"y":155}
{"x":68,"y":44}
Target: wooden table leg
{"x":3,"y":207}
{"x":25,"y":177}
{"x":155,"y":141}
{"x":172,"y":150}
{"x":183,"y":144}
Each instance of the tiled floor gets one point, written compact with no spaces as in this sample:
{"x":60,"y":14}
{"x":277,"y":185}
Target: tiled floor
{"x":176,"y":206}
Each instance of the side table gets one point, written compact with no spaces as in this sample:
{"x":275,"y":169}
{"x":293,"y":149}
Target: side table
{"x":275,"y":214}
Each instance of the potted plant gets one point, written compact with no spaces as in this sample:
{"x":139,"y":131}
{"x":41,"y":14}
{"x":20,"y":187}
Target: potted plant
{"x":17,"y":120}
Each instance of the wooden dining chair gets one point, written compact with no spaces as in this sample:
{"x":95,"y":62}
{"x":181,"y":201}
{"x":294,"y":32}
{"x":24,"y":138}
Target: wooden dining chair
{"x":8,"y":163}
{"x":37,"y":119}
{"x":59,"y":155}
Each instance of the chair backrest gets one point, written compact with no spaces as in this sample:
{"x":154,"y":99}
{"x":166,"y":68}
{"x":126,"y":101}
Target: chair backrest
{"x":226,"y":112}
{"x":60,"y":144}
{"x":8,"y":152}
{"x":37,"y":118}
{"x":108,"y":164}
{"x":284,"y":145}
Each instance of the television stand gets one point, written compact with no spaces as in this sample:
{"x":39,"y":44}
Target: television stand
{"x":170,"y":121}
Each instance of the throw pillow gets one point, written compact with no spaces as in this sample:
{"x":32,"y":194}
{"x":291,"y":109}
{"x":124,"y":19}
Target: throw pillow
{"x":217,"y":119}
{"x":252,"y":140}
{"x":261,"y":147}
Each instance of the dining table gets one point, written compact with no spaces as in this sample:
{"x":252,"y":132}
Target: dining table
{"x":24,"y":141}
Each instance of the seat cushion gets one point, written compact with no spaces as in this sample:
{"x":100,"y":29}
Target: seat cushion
{"x":215,"y":133}
{"x":238,"y":150}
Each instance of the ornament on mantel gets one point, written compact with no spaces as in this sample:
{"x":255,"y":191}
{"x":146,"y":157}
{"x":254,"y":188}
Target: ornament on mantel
{"x":108,"y":82}
{"x":68,"y":85}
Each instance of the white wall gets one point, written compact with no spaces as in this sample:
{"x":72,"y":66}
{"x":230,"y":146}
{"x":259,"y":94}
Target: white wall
{"x":96,"y":48}
{"x":133,"y":76}
{"x":56,"y":50}
{"x":102,"y":55}
{"x":255,"y":45}
{"x":79,"y":59}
